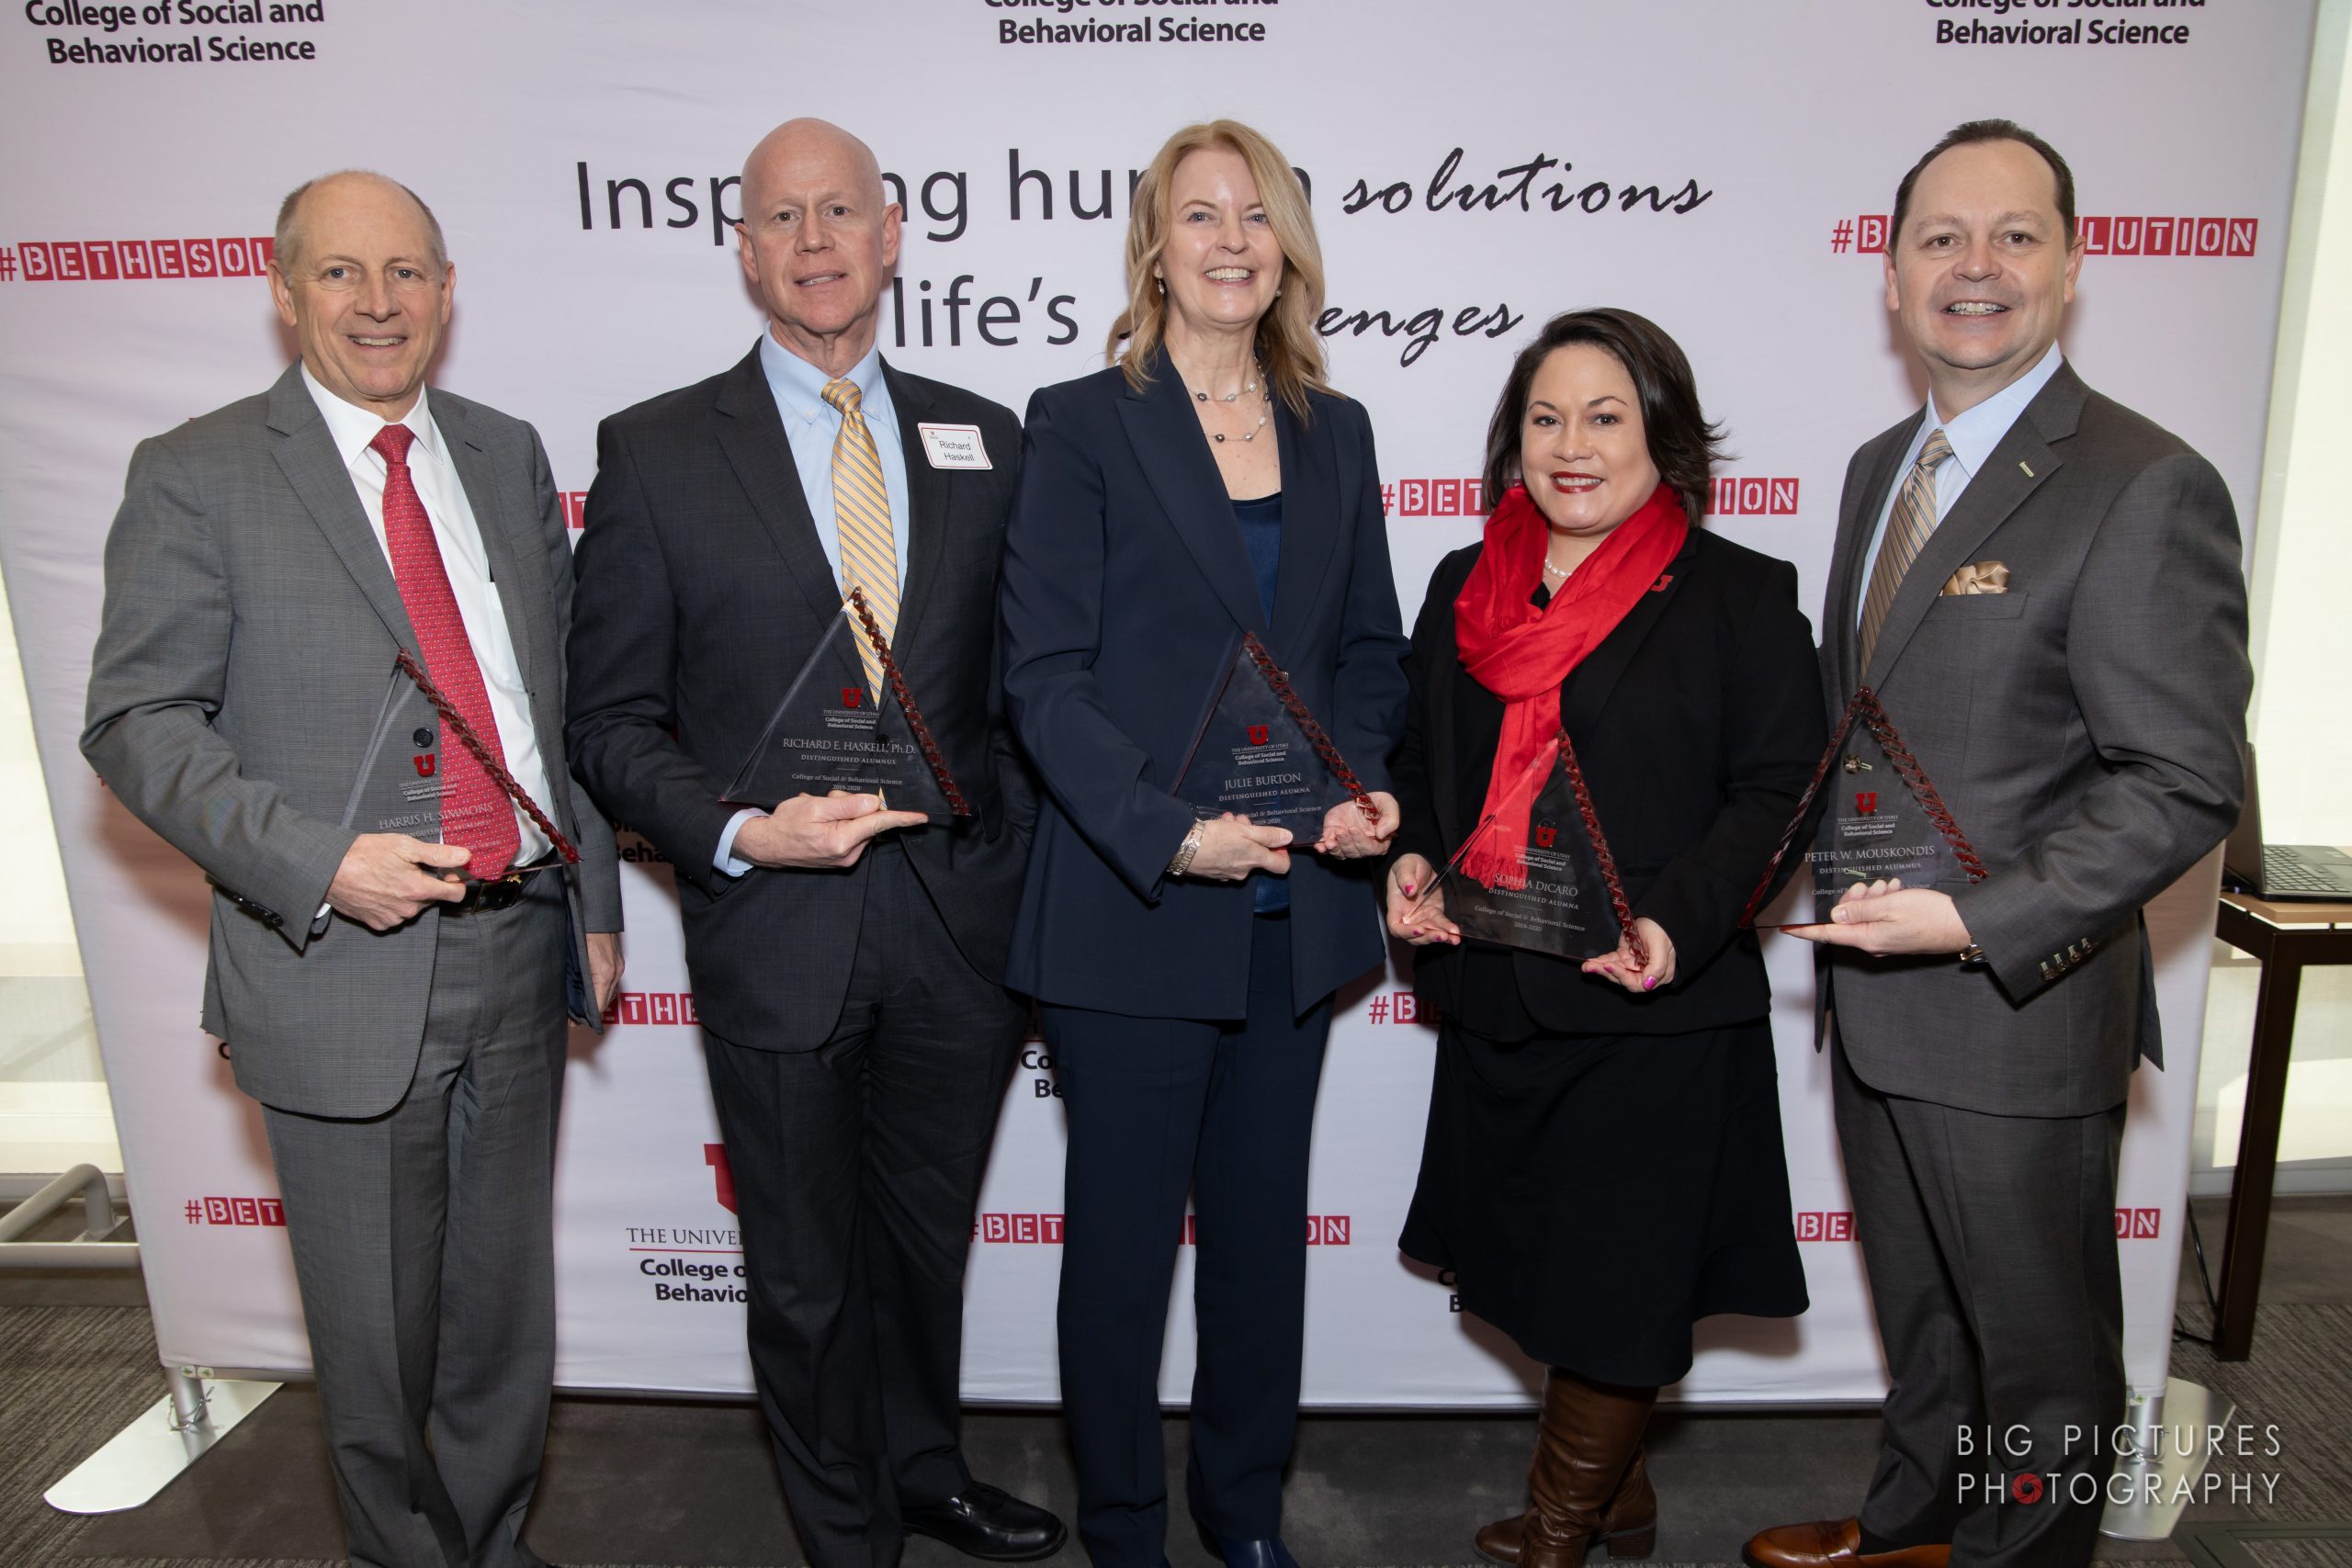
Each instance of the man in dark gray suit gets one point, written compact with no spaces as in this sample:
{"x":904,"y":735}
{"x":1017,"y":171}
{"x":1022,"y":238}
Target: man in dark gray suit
{"x":401,"y":919}
{"x":2045,"y":588}
{"x":846,"y":957}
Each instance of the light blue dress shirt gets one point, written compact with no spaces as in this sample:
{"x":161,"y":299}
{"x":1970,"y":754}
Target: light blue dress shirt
{"x":1972,"y":435}
{"x":812,"y":425}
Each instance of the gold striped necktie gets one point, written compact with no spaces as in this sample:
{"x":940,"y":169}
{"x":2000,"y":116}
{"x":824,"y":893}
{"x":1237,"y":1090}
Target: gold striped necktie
{"x":862,"y":519}
{"x":1907,"y":529}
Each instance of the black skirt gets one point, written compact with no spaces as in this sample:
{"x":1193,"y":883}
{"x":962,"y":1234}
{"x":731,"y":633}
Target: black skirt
{"x":1594,"y":1195}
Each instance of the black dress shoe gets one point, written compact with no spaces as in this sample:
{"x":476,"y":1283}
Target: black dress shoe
{"x":988,"y":1523}
{"x":1267,"y":1552}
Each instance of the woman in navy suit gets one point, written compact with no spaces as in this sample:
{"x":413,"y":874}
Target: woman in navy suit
{"x":1603,"y":1165}
{"x":1207,"y":484}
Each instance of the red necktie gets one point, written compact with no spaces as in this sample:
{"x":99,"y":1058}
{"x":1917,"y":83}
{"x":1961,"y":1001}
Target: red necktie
{"x":474,"y":811}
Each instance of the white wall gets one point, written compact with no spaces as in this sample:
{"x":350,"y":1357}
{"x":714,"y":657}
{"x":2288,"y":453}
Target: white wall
{"x":2302,"y":720}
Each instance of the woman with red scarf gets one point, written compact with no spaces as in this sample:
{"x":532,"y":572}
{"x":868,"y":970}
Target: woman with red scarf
{"x":1604,"y":1163}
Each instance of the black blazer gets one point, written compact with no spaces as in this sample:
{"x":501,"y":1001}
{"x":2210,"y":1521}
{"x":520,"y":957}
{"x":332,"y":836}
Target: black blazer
{"x":1697,"y":721}
{"x":1126,"y":587}
{"x":701,"y":590}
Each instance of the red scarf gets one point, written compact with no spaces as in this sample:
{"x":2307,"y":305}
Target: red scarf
{"x":1523,"y":653}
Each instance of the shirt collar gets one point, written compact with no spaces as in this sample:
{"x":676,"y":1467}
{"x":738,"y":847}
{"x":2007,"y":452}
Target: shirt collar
{"x":799,"y":386}
{"x":1976,"y":432}
{"x":351,"y":427}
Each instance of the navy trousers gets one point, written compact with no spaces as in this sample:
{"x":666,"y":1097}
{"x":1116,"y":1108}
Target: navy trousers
{"x":1158,"y":1107}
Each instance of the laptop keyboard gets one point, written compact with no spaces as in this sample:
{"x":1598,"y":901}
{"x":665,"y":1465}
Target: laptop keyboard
{"x":2285,"y":872}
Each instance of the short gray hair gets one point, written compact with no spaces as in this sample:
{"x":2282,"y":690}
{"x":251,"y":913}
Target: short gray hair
{"x":286,"y":249}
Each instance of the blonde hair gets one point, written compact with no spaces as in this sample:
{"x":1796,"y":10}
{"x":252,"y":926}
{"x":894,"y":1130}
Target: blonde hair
{"x":1288,"y":345}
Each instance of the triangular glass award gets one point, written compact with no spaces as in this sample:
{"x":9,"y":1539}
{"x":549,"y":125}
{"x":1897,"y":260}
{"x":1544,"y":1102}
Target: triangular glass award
{"x":1537,"y":873}
{"x":1260,"y":754}
{"x":1871,"y":814}
{"x":400,"y":784}
{"x":832,"y":731}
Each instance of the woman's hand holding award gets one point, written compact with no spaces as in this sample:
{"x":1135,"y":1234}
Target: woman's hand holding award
{"x":1261,"y":755}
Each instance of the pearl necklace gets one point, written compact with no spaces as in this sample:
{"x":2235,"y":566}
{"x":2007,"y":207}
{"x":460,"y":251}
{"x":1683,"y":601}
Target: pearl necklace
{"x":1266,"y":403}
{"x":1562,"y":572}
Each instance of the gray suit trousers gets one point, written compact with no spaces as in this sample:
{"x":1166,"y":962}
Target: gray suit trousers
{"x":424,"y":1244}
{"x":1990,"y":1246}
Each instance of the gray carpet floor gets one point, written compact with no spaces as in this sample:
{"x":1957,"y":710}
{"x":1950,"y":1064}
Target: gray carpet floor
{"x":680,"y":1483}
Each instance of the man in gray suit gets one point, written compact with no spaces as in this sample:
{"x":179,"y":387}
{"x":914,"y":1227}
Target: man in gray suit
{"x":409,"y":896}
{"x":2045,"y":589}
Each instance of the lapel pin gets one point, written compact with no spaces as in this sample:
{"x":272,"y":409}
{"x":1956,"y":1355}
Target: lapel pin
{"x":2024,"y":467}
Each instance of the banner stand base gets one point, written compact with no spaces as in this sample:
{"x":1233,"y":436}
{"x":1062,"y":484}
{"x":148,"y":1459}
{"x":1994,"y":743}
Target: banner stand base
{"x":145,"y":1457}
{"x":2169,"y":1429}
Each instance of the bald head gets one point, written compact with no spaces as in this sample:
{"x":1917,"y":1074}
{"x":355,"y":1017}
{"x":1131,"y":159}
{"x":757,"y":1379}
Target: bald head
{"x":819,"y":239}
{"x":798,"y":148}
{"x":348,"y":183}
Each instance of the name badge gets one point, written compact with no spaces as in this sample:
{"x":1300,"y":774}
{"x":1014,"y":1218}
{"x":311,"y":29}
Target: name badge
{"x":955,"y":447}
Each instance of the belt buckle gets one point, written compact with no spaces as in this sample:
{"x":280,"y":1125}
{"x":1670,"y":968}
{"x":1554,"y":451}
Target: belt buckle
{"x":501,"y":892}
{"x":490,"y":895}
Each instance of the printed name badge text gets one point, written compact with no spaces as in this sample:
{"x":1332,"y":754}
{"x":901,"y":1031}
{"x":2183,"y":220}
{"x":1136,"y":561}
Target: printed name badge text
{"x":955,"y":447}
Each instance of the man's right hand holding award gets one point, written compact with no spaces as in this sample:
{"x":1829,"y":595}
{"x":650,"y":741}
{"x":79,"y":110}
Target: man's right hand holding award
{"x":819,"y":832}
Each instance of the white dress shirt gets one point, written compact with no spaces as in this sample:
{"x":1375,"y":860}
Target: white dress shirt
{"x":1973,"y":435}
{"x":466,"y":562}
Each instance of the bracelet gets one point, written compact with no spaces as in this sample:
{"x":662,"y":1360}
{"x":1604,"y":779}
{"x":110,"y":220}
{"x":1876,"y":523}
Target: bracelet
{"x":1182,"y":861}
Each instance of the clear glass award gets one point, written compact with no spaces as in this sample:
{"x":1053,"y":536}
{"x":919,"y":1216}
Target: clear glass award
{"x":1261,"y":755}
{"x":400,"y":784}
{"x":832,"y":730}
{"x":1871,"y":814}
{"x":1537,"y":873}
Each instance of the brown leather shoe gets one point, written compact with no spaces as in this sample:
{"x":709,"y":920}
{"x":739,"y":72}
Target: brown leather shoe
{"x":1628,"y":1525}
{"x":1834,"y":1543}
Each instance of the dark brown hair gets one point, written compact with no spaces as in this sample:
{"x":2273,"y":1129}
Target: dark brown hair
{"x":1683,"y":447}
{"x":1977,"y":130}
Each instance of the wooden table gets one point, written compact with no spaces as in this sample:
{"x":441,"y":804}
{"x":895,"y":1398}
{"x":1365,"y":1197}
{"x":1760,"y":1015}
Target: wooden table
{"x":2287,"y":937}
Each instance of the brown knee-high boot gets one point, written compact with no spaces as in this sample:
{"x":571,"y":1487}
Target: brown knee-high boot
{"x":1588,"y":1484}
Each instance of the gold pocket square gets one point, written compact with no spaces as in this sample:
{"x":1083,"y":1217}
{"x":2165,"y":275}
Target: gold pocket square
{"x":1979,"y":577}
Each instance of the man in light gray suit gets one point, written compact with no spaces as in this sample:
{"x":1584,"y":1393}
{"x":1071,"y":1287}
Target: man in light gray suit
{"x":2045,"y":588}
{"x":409,"y":896}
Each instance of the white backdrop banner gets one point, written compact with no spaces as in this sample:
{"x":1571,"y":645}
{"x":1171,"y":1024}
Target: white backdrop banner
{"x":1725,"y":169}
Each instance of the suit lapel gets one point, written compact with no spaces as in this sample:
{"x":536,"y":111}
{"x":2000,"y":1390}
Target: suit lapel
{"x":307,"y":456}
{"x":2021,"y":465}
{"x":1310,"y":480}
{"x":1174,"y":456}
{"x":1597,"y":676}
{"x":1857,"y":520}
{"x":750,"y":434}
{"x":928,"y":500}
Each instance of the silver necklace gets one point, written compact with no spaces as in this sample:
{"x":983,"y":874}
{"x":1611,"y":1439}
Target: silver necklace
{"x":1265,"y":407}
{"x":1266,"y":403}
{"x":1229,"y":397}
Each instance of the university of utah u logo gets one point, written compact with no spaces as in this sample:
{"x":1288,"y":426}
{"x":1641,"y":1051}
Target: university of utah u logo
{"x":1866,"y":801}
{"x":1260,"y":733}
{"x":1546,"y":836}
{"x":852,"y":696}
{"x":426,"y":764}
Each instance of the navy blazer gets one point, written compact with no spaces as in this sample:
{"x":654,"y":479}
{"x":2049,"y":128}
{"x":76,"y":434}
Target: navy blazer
{"x":1127,"y":588}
